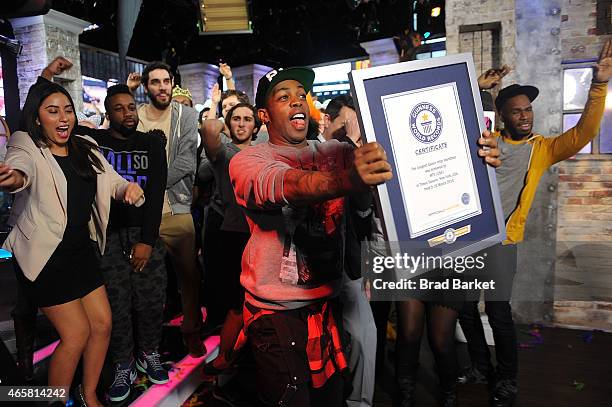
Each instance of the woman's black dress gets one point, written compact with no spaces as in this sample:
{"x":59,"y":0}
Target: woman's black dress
{"x":73,"y":271}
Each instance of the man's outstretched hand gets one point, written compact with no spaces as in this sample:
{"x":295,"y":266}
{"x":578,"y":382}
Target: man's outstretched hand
{"x":493,"y":77}
{"x":602,"y":71}
{"x":370,"y":166}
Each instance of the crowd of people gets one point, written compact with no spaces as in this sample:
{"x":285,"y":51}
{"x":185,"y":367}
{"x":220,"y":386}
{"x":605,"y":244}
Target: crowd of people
{"x":275,"y":198}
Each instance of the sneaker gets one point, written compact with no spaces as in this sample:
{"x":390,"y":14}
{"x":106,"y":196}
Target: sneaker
{"x":150,"y":364}
{"x":504,"y":393}
{"x":472,"y":375}
{"x":125,"y":375}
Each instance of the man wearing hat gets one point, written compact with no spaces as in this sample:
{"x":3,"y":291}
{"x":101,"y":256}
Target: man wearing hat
{"x":182,"y":96}
{"x":526,"y":156}
{"x":293,"y":194}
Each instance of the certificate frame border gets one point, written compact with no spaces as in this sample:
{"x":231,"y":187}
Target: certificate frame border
{"x":357,"y":80}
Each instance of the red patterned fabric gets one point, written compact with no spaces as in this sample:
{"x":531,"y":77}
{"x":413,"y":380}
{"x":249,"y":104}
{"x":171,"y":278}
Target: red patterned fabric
{"x":323,"y":349}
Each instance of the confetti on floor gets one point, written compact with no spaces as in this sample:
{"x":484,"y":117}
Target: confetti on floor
{"x":578,"y":385}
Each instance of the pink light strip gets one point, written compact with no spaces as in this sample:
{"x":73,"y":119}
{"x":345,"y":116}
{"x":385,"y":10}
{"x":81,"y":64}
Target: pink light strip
{"x":182,"y":370}
{"x":44,"y":353}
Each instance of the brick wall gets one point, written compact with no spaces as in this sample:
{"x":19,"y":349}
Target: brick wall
{"x":583,"y":270}
{"x":44,"y":38}
{"x":569,"y":234}
{"x":33,"y":57}
{"x":64,"y":43}
{"x":484,"y":46}
{"x":578,"y":30}
{"x":462,"y":13}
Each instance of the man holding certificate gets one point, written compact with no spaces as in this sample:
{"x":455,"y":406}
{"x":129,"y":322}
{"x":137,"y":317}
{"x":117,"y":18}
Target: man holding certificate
{"x":526,"y":156}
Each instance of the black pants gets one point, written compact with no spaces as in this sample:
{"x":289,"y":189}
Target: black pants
{"x":501,"y":265}
{"x":214,"y":259}
{"x":136,"y":298}
{"x":278,"y":342}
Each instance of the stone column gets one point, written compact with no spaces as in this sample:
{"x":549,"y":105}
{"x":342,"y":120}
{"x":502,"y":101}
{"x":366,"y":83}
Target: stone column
{"x":381,"y":52}
{"x":199,"y":78}
{"x":44,"y":38}
{"x":539,"y":63}
{"x":246,"y":78}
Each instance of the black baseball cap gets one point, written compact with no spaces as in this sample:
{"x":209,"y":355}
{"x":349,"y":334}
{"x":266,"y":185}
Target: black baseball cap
{"x":514,"y":90}
{"x":303,"y":75}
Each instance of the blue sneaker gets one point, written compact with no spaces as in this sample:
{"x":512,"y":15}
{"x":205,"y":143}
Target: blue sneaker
{"x":150,"y":364}
{"x":125,"y":375}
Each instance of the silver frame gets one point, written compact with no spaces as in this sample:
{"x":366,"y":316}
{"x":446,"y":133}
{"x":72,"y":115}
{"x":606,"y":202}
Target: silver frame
{"x":357,"y":78}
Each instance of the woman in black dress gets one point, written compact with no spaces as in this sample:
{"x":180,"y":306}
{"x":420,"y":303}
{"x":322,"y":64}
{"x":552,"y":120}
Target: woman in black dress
{"x":63,"y":187}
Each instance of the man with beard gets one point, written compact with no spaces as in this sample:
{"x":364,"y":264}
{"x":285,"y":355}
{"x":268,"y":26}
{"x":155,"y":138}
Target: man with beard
{"x":133,"y":265}
{"x":526,"y":156}
{"x":180,"y":125}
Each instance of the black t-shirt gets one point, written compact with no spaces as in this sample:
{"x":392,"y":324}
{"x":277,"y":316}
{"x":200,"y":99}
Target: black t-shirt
{"x":81,"y":194}
{"x":141,"y":158}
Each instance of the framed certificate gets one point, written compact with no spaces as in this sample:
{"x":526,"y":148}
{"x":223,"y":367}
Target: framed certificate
{"x":428,"y":116}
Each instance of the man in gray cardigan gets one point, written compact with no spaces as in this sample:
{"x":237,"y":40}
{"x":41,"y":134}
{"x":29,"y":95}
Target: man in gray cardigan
{"x":179,"y":123}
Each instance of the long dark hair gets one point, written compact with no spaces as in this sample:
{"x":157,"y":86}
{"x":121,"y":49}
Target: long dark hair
{"x":81,"y":151}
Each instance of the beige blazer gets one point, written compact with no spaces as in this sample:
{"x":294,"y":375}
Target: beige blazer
{"x":39,"y":212}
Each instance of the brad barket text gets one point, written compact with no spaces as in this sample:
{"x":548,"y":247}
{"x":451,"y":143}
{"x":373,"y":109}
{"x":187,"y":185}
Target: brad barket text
{"x":425,"y":284}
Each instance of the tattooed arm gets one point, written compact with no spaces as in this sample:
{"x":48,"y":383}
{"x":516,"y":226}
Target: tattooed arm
{"x":369,"y":168}
{"x":262,"y":182}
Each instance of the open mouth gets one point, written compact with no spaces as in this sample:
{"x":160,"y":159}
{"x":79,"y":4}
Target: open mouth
{"x":62,"y":131}
{"x":525,"y":126}
{"x":298,"y":121}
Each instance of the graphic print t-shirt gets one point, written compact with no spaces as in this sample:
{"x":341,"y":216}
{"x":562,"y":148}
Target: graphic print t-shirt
{"x":141,"y":159}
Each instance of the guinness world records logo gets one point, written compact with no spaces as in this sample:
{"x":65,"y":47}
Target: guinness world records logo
{"x":425,"y":122}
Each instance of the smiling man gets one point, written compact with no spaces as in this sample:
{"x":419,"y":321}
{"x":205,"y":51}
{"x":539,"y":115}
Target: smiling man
{"x":179,"y":124}
{"x":133,"y":266}
{"x":526,"y":156}
{"x":293,"y":193}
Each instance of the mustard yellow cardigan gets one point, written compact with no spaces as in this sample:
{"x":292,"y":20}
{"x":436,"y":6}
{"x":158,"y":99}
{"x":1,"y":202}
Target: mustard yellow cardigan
{"x":548,"y":151}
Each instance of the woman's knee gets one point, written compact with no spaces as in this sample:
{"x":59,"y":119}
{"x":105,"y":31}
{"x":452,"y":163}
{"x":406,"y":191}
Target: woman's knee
{"x":101,"y":326}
